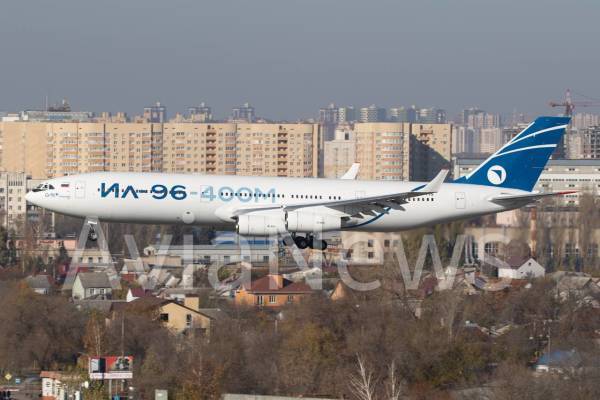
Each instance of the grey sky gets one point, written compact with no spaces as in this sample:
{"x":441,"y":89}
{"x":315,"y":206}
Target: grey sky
{"x":289,"y":57}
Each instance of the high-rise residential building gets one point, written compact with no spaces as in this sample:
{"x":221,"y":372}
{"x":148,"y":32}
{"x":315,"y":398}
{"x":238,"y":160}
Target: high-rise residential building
{"x":155,"y":114}
{"x":478,"y":119}
{"x":430,"y":149}
{"x":468,"y":113}
{"x":13,"y":207}
{"x":24,"y":148}
{"x":372,"y":114}
{"x":339,"y":153}
{"x":105,"y":116}
{"x":465,"y":140}
{"x":382,"y":149}
{"x":402,"y":151}
{"x":201,"y":113}
{"x":584,"y":143}
{"x":199,"y":148}
{"x":431,"y":116}
{"x":243,"y":113}
{"x":329,"y":114}
{"x":278,"y":149}
{"x":329,"y":119}
{"x":44,"y":150}
{"x":491,"y":140}
{"x":403,"y":114}
{"x":584,"y":120}
{"x":133,"y":147}
{"x":346,"y":114}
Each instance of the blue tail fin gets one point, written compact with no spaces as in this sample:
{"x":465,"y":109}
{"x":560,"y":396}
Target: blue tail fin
{"x":519,"y":163}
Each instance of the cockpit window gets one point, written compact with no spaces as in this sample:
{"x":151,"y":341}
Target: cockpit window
{"x":43,"y":187}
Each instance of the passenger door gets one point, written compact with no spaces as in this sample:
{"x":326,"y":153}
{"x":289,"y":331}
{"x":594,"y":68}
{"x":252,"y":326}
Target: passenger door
{"x":460,"y":200}
{"x":80,"y":190}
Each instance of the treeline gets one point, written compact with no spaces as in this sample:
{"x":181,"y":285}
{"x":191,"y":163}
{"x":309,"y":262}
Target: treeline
{"x":369,"y":347}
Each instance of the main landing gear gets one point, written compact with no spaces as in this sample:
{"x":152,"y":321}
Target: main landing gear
{"x":310,"y":241}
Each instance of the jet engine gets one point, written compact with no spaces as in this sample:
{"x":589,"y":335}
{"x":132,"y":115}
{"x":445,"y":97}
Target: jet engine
{"x":260,"y":225}
{"x":310,"y":222}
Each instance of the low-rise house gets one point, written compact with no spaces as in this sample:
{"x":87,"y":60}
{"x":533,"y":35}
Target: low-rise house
{"x":272,"y":290}
{"x":522,"y":270}
{"x":58,"y":385}
{"x":574,"y":285}
{"x":179,"y":318}
{"x":41,"y":284}
{"x":91,"y":285}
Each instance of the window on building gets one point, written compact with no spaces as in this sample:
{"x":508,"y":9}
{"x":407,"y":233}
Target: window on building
{"x":259,"y":300}
{"x":571,"y":250}
{"x":491,"y":248}
{"x":593,"y":250}
{"x":272,"y":299}
{"x":188,"y":320}
{"x":290,"y":298}
{"x":164,"y":317}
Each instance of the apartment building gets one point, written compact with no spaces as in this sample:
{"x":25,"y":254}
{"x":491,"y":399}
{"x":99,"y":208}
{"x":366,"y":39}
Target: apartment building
{"x":339,"y":153}
{"x":13,"y":187}
{"x":278,"y":149}
{"x":391,"y":150}
{"x":382,"y":149}
{"x":49,"y":149}
{"x":430,"y":149}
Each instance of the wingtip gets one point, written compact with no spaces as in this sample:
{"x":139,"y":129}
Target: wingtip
{"x":434,"y":185}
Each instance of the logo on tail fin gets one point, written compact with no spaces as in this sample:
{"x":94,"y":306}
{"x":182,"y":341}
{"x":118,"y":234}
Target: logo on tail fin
{"x":496,"y":174}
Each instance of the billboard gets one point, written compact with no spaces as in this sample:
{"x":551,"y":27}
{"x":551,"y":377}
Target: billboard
{"x":111,"y":367}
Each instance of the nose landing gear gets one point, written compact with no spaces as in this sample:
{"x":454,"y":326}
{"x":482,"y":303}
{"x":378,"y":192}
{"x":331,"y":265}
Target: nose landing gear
{"x":92,"y":235}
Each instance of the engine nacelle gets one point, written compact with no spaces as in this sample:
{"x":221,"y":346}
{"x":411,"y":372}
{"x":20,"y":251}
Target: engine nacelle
{"x":260,"y":225}
{"x":310,"y":222}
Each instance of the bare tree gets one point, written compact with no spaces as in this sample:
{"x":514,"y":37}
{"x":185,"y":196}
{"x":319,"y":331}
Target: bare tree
{"x":362,"y":382}
{"x":394,"y":385}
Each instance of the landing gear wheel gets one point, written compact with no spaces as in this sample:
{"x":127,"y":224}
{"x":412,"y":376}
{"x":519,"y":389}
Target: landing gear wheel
{"x":301,"y":242}
{"x":317,"y":244}
{"x":92,"y":235}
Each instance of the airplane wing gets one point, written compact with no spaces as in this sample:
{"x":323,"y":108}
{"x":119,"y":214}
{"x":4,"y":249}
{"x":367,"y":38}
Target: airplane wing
{"x":526,"y":197}
{"x":364,"y":204}
{"x":352,"y":172}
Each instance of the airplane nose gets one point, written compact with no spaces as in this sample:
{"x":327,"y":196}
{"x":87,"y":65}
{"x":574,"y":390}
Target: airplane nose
{"x":30,"y":197}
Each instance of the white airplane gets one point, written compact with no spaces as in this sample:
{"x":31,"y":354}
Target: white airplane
{"x":261,"y":206}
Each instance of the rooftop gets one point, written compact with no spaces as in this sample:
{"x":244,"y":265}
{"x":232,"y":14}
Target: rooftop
{"x":94,"y":280}
{"x":276,"y":284}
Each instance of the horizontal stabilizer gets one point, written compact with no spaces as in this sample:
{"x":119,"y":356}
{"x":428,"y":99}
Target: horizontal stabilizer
{"x":526,"y":197}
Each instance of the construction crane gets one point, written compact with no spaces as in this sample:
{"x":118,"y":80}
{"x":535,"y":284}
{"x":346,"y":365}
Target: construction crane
{"x":569,"y":104}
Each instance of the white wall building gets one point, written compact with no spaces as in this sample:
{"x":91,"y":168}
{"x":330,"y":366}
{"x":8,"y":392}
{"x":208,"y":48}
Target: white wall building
{"x":529,"y":269}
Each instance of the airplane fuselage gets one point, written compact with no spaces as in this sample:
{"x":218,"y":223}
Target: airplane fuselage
{"x":158,"y":198}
